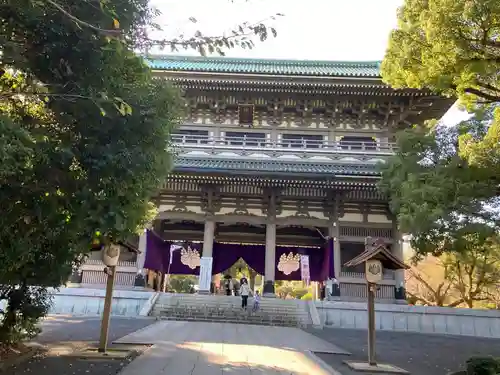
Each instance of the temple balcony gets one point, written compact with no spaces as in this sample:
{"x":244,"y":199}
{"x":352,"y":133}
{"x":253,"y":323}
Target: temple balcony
{"x":300,"y":150}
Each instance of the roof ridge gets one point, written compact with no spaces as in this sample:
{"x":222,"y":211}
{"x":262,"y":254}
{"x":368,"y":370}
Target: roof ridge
{"x":263,"y":61}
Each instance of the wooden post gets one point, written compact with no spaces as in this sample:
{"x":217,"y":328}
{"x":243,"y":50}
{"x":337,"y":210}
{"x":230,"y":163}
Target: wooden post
{"x":371,"y":323}
{"x":106,"y":313}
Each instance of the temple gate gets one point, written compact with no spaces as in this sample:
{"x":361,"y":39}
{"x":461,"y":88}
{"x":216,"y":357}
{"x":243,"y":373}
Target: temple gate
{"x":279,"y":158}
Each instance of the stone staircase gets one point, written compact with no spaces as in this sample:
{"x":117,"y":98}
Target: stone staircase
{"x":215,"y":308}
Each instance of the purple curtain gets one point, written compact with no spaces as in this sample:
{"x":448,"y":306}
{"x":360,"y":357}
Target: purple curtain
{"x":328,"y":269}
{"x":158,"y":257}
{"x":225,"y":255}
{"x":316,"y":262}
{"x":155,"y":247}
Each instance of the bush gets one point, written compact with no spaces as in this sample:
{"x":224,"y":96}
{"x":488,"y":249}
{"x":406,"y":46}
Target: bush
{"x":483,"y":366}
{"x":307,"y":297}
{"x":24,"y":306}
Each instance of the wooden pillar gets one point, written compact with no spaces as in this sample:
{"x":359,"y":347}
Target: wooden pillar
{"x":208,"y":244}
{"x":270,"y":260}
{"x":334,"y":234}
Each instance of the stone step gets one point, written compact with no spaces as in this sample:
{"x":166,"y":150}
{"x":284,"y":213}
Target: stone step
{"x":195,"y":307}
{"x":263,"y":318}
{"x":167,"y":310}
{"x":233,"y":305}
{"x":233,"y":321}
{"x":269,"y":319}
{"x":226,"y":313}
{"x":230,"y":299}
{"x":225,"y":302}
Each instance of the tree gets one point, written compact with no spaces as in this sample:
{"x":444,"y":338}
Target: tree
{"x":449,"y":46}
{"x":459,"y":278}
{"x":84,"y":139}
{"x":482,"y":148}
{"x":437,"y":196}
{"x":293,"y":289}
{"x":182,"y":283}
{"x":452,"y":48}
{"x":241,"y":269}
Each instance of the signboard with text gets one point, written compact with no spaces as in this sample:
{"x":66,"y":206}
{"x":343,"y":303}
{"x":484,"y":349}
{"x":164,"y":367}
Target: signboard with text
{"x":205,"y":273}
{"x":305,"y":272}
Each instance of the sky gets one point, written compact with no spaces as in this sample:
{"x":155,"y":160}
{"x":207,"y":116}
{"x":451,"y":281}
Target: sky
{"x":308,"y":30}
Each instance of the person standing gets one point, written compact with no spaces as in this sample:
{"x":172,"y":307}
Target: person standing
{"x":228,"y":285}
{"x":244,"y":292}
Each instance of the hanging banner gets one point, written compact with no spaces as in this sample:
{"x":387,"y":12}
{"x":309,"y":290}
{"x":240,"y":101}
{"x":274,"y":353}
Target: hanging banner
{"x":305,"y":271}
{"x":205,"y":274}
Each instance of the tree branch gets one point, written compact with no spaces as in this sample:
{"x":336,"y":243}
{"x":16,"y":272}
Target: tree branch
{"x":419,"y":298}
{"x":199,"y":40}
{"x":81,"y":22}
{"x":456,"y":303}
{"x":41,"y":94}
{"x":481,"y":94}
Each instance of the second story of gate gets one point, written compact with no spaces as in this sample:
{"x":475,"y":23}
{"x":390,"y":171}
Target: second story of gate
{"x":289,"y":112}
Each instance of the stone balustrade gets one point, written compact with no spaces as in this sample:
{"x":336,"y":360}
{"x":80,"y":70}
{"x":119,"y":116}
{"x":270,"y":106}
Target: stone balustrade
{"x":405,"y":318}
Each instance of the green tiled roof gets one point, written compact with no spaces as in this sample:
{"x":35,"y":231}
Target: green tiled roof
{"x":266,"y":66}
{"x":189,"y":164}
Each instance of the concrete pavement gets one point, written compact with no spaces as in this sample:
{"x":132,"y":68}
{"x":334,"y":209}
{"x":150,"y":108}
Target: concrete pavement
{"x":202,"y":348}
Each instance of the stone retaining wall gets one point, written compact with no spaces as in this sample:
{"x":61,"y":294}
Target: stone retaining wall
{"x":87,"y":301}
{"x":423,"y":319}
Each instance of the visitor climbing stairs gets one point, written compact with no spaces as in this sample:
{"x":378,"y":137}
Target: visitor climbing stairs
{"x":215,"y":308}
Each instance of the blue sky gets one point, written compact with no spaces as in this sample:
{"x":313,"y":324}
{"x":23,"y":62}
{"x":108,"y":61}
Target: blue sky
{"x":313,"y":29}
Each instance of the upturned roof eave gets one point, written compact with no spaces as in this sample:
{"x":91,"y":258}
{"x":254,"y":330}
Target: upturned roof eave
{"x":360,"y":81}
{"x":240,"y":75}
{"x":373,"y":253}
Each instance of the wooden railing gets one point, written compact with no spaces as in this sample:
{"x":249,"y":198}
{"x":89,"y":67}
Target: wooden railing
{"x":365,"y":232}
{"x":98,"y":262}
{"x":99,"y":278}
{"x":358,"y":291}
{"x":388,"y":275}
{"x":245,"y":145}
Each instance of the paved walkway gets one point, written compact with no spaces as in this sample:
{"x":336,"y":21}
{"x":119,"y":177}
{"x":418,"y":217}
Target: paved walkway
{"x":198,"y":348}
{"x":420,"y":354}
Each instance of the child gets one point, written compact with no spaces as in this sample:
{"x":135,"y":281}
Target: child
{"x":256,"y":301}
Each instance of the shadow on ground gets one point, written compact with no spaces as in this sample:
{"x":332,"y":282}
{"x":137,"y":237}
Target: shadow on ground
{"x":420,"y":354}
{"x":62,"y":334}
{"x":58,"y":328}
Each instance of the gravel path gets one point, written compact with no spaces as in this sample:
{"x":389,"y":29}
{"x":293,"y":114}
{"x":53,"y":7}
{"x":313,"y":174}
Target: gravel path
{"x":77,"y":332}
{"x":420,"y":354}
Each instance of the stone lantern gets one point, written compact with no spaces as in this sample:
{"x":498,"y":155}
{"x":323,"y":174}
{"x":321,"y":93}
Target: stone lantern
{"x":376,"y":258}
